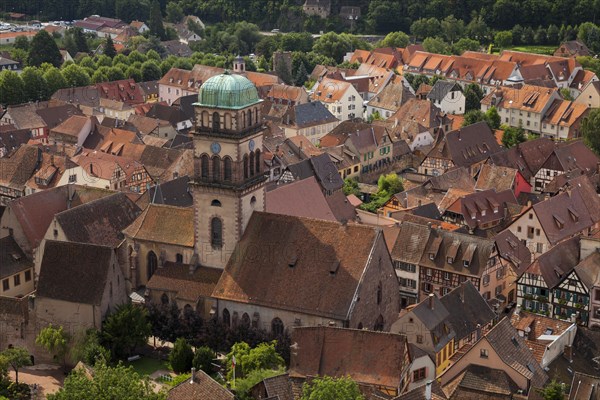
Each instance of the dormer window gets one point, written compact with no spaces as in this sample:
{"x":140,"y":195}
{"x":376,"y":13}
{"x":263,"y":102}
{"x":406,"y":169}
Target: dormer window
{"x":432,"y":256}
{"x":466,"y":263}
{"x":450,"y":260}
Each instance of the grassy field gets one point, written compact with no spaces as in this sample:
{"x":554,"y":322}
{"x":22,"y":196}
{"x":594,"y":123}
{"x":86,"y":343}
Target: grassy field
{"x":146,"y":366}
{"x":537,"y":49}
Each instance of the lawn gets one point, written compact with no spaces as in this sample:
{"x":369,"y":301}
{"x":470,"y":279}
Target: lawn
{"x":146,"y":365}
{"x":537,"y":49}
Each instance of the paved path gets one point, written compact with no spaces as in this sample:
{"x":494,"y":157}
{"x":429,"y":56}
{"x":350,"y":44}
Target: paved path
{"x":48,"y":380}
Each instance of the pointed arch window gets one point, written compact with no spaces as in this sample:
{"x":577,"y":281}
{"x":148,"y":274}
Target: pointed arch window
{"x":226,"y":318}
{"x":216,"y":121}
{"x":277,"y":327}
{"x":251,"y":172}
{"x":258,"y":161}
{"x":245,"y":166}
{"x":216,"y":232}
{"x":152,"y":263}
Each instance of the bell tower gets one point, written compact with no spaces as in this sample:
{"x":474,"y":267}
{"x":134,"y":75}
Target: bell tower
{"x":228,"y":183}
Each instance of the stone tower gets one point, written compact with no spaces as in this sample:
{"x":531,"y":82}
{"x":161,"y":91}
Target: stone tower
{"x":228,"y":183}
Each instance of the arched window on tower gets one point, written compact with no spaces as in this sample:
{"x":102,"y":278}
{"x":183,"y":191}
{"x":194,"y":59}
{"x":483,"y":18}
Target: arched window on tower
{"x":256,"y":116}
{"x":251,"y":172}
{"x":245,"y":166}
{"x":227,"y":169}
{"x":216,"y":123}
{"x":152,"y":263}
{"x":227,"y":121}
{"x":204,"y":166}
{"x":216,"y":232}
{"x":205,"y":119}
{"x":216,"y":164}
{"x":258,"y":161}
{"x":243,"y":124}
{"x":277,"y":327}
{"x":249,"y":118}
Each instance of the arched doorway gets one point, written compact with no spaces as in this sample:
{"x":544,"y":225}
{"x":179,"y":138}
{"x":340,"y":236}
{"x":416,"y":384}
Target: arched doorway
{"x":277,"y":327}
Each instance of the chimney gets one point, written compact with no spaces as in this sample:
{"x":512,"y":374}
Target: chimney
{"x":431,"y":296}
{"x":478,"y":332}
{"x":428,"y":390}
{"x":193,"y":373}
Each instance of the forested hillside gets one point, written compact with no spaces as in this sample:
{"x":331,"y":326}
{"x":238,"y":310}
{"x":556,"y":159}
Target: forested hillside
{"x":379,"y":16}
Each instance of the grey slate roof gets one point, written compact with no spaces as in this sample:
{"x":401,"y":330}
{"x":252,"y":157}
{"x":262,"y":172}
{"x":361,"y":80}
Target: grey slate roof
{"x":74,"y":272}
{"x":171,"y":193}
{"x":411,"y":242}
{"x":441,"y":89}
{"x":100,"y":221}
{"x":12,"y":258}
{"x":326,"y":172}
{"x":313,"y":113}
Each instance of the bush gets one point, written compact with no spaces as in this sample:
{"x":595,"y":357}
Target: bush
{"x":181,"y":357}
{"x":203,"y":359}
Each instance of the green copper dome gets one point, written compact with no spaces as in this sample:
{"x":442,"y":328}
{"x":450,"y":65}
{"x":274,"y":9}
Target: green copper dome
{"x":227,"y":91}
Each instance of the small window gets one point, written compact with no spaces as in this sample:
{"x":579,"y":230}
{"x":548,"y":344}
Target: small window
{"x":483,"y":353}
{"x":419,"y":339}
{"x":215,"y":203}
{"x":419,"y":374}
{"x":17,"y":280}
{"x":5,"y":285}
{"x":179,"y":258}
{"x":27,"y":275}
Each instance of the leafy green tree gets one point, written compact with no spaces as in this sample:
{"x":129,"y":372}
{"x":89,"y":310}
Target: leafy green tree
{"x":103,"y":61}
{"x":473,"y":96}
{"x":263,"y":356}
{"x":333,"y":45}
{"x":19,"y":55}
{"x":119,"y":59}
{"x":589,"y":33}
{"x":16,"y":358}
{"x":152,"y":55}
{"x":452,"y":28}
{"x":203,"y":358}
{"x":181,"y":356}
{"x":21,"y":42}
{"x":127,"y":328}
{"x":109,"y":47}
{"x":328,"y":388}
{"x":395,"y":39}
{"x":11,"y":88}
{"x":150,"y":71}
{"x":55,"y":340}
{"x":477,"y":29}
{"x":87,"y":62}
{"x":493,"y":118}
{"x":513,"y":136}
{"x":465,"y":44}
{"x":301,"y":75}
{"x":351,"y":187}
{"x":564,"y":92}
{"x":174,"y":12}
{"x":503,"y":39}
{"x":75,"y":76}
{"x":43,"y":49}
{"x":424,"y":28}
{"x":34,"y":85}
{"x":136,"y":56}
{"x":590,"y":129}
{"x":99,"y":75}
{"x":527,"y":37}
{"x":436,"y":45}
{"x":390,"y":184}
{"x":540,"y":36}
{"x":86,"y":347}
{"x":517,"y":32}
{"x":114,"y":74}
{"x":133,"y":73}
{"x":54,"y":80}
{"x":296,"y":41}
{"x":384,"y":16}
{"x":118,"y":382}
{"x":552,"y":34}
{"x":473,"y":116}
{"x":155,"y":22}
{"x":553,"y":391}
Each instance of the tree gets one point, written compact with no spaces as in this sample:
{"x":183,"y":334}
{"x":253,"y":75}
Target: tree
{"x":133,"y":73}
{"x":174,"y":12}
{"x":452,"y":28}
{"x":383,"y":16}
{"x":75,"y":76}
{"x":564,"y":92}
{"x":263,"y":356}
{"x":327,"y":388}
{"x":301,"y":75}
{"x":477,"y":29}
{"x":435,"y":45}
{"x":127,"y":328}
{"x":473,"y":96}
{"x":34,"y":85}
{"x":351,"y":187}
{"x":465,"y":44}
{"x":424,"y":28}
{"x":203,"y":358}
{"x":118,"y":382}
{"x":513,"y":136}
{"x":11,"y":88}
{"x":86,"y":347}
{"x":21,"y":42}
{"x":503,"y":39}
{"x":54,"y":80}
{"x":590,"y":130}
{"x":55,"y":340}
{"x":155,"y":22}
{"x":472,"y":117}
{"x":181,"y":356}
{"x":114,"y":74}
{"x":150,"y":71}
{"x":44,"y":49}
{"x":17,"y":358}
{"x":395,"y":39}
{"x":333,"y":45}
{"x":553,"y":391}
{"x":243,"y":385}
{"x":493,"y":118}
{"x":109,"y":48}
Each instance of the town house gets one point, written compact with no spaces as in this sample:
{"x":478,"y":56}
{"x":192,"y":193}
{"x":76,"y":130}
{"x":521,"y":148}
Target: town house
{"x":340,"y":98}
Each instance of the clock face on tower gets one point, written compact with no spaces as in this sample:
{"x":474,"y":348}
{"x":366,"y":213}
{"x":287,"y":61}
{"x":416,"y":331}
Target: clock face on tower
{"x":251,"y":145}
{"x":215,"y":148}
